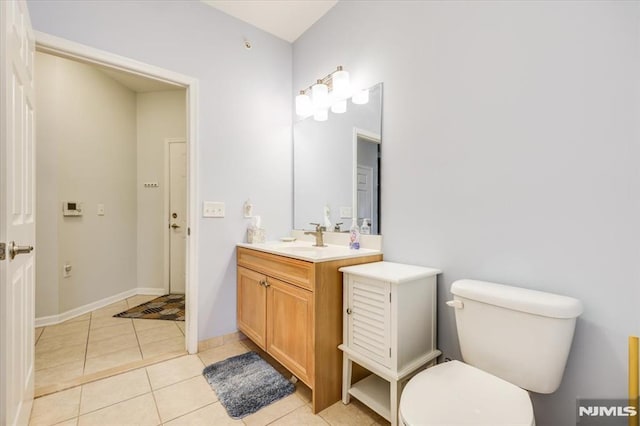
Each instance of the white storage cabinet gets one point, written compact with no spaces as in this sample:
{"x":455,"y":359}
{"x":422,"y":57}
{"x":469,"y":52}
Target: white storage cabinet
{"x":389,"y":327}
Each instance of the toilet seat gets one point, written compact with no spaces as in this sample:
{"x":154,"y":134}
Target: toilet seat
{"x":455,"y":393}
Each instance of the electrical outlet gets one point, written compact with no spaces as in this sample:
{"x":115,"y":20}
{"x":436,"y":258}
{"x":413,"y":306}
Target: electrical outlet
{"x":100,"y":209}
{"x":213,"y":209}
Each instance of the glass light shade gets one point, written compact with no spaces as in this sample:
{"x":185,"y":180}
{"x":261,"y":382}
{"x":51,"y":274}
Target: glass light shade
{"x":321,"y":114}
{"x":341,"y":86}
{"x":303,"y":105}
{"x":360,"y":97}
{"x":338,"y":107}
{"x":320,"y":94}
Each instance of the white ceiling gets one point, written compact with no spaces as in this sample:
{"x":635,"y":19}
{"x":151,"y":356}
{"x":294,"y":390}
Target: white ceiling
{"x":286,"y":19}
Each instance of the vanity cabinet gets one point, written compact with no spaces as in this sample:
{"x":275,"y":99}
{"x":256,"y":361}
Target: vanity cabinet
{"x":389,"y":328}
{"x":292,"y":309}
{"x":284,"y":312}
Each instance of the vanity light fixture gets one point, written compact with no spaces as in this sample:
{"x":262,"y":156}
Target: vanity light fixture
{"x":360,"y":97}
{"x":320,"y":95}
{"x":303,"y":105}
{"x":330,"y":92}
{"x":339,"y":107}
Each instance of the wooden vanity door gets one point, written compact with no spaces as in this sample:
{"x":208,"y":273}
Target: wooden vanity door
{"x":252,"y":298}
{"x":290,"y":328}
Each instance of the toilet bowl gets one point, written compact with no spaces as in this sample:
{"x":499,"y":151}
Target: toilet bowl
{"x":454,"y":393}
{"x":512,"y":340}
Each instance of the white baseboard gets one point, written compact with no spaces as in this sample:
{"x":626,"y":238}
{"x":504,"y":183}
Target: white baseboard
{"x":151,"y":291}
{"x":76,"y":312}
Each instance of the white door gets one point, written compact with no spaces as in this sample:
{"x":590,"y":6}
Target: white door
{"x":365,"y":193}
{"x":17,"y":213}
{"x":178,"y":216}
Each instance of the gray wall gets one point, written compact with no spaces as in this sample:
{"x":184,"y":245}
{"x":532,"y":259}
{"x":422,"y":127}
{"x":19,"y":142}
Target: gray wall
{"x":510,"y":154}
{"x":244,"y":127}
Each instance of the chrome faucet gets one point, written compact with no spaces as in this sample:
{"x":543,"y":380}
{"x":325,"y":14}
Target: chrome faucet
{"x":318,"y":234}
{"x":336,"y":228}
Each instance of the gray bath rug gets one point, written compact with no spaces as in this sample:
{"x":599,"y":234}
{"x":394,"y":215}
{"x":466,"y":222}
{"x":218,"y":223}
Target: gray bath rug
{"x":246,"y":383}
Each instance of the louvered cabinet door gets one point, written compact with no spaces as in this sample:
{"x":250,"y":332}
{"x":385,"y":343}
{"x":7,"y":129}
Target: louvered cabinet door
{"x":369,"y":318}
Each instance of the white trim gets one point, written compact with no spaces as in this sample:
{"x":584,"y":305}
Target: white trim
{"x":57,"y":46}
{"x":370,"y":136}
{"x":166,"y":270}
{"x":193,"y":201}
{"x":76,"y":312}
{"x":150,"y":291}
{"x":62,"y":47}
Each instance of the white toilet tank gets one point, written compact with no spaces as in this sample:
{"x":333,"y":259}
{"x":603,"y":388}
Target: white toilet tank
{"x":520,"y":335}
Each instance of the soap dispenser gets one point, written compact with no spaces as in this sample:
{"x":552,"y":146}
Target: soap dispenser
{"x":354,"y":235}
{"x":365,"y":229}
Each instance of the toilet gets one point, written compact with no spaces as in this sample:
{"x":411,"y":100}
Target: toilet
{"x":512,"y":340}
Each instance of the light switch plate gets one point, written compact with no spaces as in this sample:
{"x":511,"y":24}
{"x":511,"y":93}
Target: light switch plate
{"x":345,"y":213}
{"x":100,"y":209}
{"x":213,"y":209}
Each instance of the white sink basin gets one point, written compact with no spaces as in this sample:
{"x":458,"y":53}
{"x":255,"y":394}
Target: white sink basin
{"x":299,"y":248}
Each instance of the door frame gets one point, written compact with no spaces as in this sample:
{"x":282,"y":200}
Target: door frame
{"x":167,"y":212}
{"x":65,"y":48}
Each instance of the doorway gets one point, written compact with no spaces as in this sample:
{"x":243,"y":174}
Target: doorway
{"x":122,"y":66}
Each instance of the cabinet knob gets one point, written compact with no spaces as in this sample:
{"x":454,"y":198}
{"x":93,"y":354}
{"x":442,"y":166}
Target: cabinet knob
{"x":349,"y":311}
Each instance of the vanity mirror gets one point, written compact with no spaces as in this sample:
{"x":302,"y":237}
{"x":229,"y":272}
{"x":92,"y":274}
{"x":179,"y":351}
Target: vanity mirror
{"x":336,"y":165}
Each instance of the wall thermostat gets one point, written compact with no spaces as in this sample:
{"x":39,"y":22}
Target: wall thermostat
{"x":71,"y":208}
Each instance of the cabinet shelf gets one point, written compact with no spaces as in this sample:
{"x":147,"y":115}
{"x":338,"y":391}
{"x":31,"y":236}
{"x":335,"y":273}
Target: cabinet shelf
{"x":374,"y":392}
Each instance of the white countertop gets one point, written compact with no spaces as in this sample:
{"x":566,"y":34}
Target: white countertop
{"x":304,"y":250}
{"x":396,"y":273}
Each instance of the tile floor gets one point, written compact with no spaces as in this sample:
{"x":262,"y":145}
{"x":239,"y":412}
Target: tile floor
{"x":97,"y":341}
{"x":175,"y":393}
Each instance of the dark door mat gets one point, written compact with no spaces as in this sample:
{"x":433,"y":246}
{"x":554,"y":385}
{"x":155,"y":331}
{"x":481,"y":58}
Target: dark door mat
{"x":246,"y":383}
{"x":168,"y":307}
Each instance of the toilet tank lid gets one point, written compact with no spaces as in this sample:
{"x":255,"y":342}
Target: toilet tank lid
{"x":518,"y":299}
